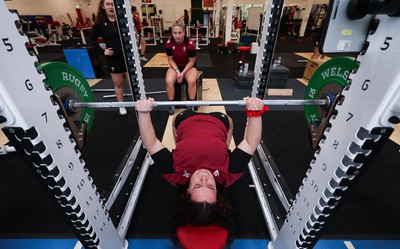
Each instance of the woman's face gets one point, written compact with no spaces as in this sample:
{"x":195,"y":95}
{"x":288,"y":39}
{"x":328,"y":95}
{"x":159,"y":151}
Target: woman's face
{"x":178,"y":33}
{"x":202,"y":187}
{"x":108,"y":6}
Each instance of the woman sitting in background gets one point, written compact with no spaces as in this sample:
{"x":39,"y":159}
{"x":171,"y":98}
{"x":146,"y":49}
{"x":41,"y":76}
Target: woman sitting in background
{"x":181,"y":53}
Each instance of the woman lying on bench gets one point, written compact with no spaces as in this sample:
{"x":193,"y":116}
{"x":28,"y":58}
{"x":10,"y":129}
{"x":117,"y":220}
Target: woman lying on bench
{"x":181,"y":53}
{"x":201,"y":163}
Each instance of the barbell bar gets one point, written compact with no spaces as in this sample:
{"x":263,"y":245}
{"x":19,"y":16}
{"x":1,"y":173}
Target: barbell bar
{"x":282,"y":102}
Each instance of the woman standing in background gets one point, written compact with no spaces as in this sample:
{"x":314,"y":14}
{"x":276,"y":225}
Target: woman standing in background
{"x":138,"y":27}
{"x":106,"y":27}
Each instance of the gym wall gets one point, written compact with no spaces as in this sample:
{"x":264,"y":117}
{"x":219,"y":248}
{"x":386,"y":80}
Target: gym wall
{"x":55,"y":8}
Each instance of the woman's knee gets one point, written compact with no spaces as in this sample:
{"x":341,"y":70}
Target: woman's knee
{"x":118,"y":80}
{"x":191,"y":76}
{"x":191,"y":81}
{"x":170,"y":78}
{"x":169,"y":84}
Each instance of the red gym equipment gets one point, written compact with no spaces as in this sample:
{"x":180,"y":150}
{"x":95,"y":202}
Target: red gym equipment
{"x":243,"y":49}
{"x":81,"y":25}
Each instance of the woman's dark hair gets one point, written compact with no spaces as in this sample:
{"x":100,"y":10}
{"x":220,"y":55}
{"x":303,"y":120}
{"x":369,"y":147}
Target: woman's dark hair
{"x":193,"y":213}
{"x":101,"y":13}
{"x":133,"y":8}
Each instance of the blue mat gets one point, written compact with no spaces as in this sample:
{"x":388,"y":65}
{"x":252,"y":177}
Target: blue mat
{"x":166,"y":244}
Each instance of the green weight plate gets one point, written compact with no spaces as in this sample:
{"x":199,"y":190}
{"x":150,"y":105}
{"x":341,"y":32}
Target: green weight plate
{"x":68,"y":82}
{"x":330,"y":78}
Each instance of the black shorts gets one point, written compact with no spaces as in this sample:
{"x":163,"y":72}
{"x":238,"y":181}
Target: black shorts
{"x":189,"y":113}
{"x":181,"y":68}
{"x":116,"y":65}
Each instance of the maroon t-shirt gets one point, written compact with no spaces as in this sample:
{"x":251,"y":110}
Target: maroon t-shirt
{"x":201,"y":144}
{"x":181,"y":52}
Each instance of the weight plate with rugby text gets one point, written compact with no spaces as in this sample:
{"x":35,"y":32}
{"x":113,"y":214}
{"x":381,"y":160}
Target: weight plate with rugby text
{"x":68,"y":83}
{"x":329,"y":79}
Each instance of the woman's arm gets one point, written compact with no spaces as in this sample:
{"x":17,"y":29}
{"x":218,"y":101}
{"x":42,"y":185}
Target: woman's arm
{"x":146,"y":128}
{"x":174,"y":67}
{"x":93,"y":41}
{"x":253,"y":132}
{"x":94,"y":35}
{"x":172,"y":63}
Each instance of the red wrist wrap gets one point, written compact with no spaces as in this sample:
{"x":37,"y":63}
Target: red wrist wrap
{"x":256,"y":114}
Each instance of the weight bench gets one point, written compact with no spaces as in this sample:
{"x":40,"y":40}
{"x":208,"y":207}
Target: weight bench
{"x":181,"y":90}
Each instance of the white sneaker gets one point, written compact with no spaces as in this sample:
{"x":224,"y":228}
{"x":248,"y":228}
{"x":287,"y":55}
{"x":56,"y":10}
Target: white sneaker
{"x":142,"y":58}
{"x":122,"y":111}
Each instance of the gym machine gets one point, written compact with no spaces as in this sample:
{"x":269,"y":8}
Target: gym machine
{"x":199,"y":33}
{"x":34,"y":125}
{"x":352,"y":131}
{"x":30,"y":117}
{"x":149,"y":34}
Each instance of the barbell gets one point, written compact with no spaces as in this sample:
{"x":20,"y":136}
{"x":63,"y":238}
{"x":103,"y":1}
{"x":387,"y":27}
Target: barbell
{"x":72,"y":104}
{"x":74,"y":94}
